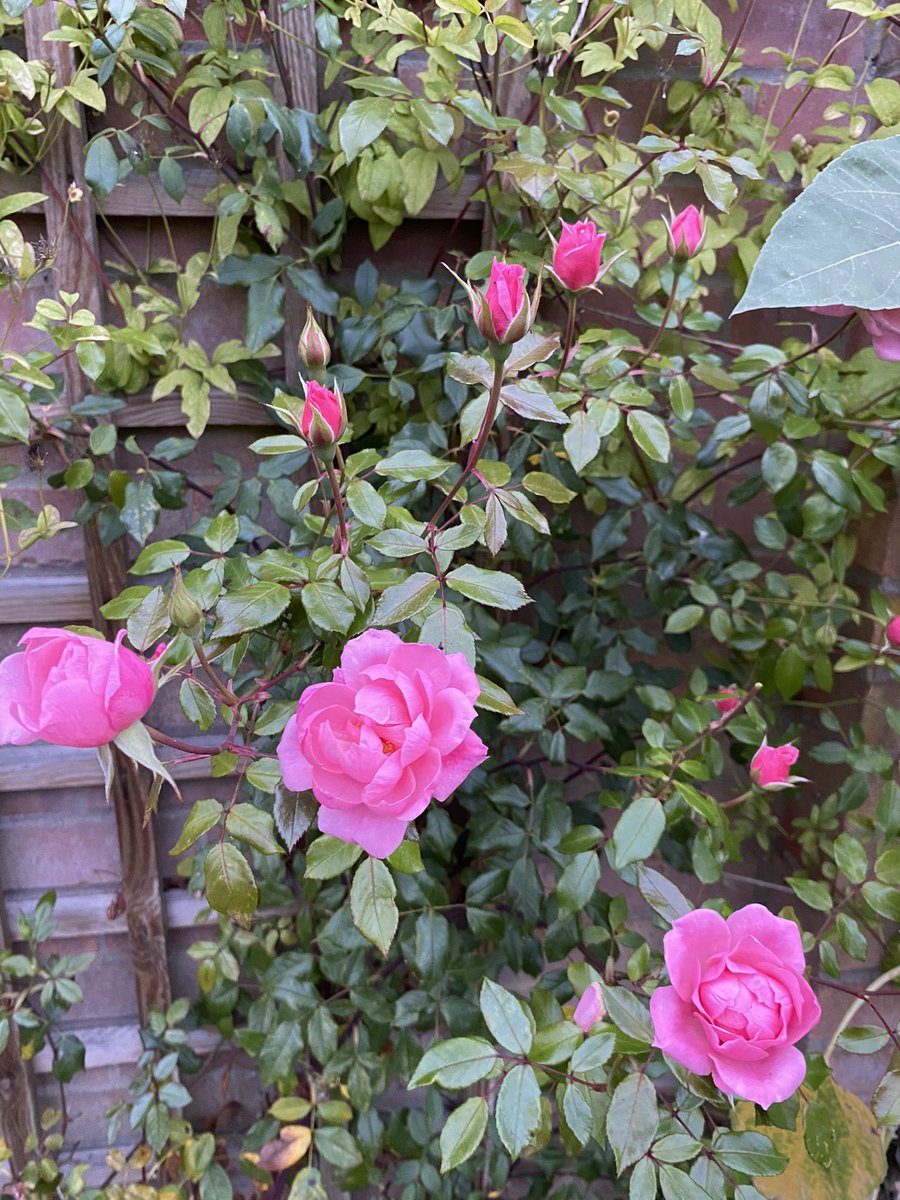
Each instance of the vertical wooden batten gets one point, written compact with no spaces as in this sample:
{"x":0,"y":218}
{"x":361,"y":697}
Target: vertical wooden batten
{"x":18,"y":1116}
{"x":72,"y":232}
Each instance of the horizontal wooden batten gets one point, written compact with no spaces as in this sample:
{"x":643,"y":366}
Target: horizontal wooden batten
{"x":28,"y":598}
{"x":39,"y":768}
{"x":143,"y":413}
{"x":87,"y":913}
{"x":143,"y":196}
{"x":119,"y":1045}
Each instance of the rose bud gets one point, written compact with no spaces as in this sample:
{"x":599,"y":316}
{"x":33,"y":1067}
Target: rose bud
{"x":323,"y":421}
{"x":183,"y":610}
{"x":502,"y":311}
{"x":686,"y":233}
{"x":770,"y":767}
{"x":590,"y":1008}
{"x":576,"y":258}
{"x":313,"y":347}
{"x":727,"y":701}
{"x":892,"y":633}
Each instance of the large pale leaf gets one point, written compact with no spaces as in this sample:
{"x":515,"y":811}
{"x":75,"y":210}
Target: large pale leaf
{"x":839,"y":242}
{"x":851,"y":1164}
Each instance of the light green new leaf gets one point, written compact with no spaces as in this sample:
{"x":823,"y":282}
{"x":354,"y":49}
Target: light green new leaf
{"x":203,"y":815}
{"x":254,"y":826}
{"x":494,"y":588}
{"x":373,"y":905}
{"x":329,"y":856}
{"x":632,"y":1120}
{"x":505,"y":1018}
{"x":362,"y":123}
{"x":518,"y":1111}
{"x":328,"y":607}
{"x":650,"y":434}
{"x":462,"y":1134}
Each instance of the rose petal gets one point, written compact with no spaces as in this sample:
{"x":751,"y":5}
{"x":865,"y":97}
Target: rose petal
{"x":765,"y":1082}
{"x":295,"y":770}
{"x":378,"y":836}
{"x":678,"y":1032}
{"x":775,"y":934}
{"x":688,"y":946}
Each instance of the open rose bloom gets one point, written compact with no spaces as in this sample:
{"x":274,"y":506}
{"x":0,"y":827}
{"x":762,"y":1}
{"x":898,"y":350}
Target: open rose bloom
{"x":388,"y":734}
{"x":738,"y":1002}
{"x":882,"y":325}
{"x":71,"y":690}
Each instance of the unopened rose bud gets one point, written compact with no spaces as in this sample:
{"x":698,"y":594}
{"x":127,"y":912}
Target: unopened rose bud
{"x":183,"y":610}
{"x":686,"y":233}
{"x":770,"y":767}
{"x":892,"y":633}
{"x":576,"y":258}
{"x":313,"y":346}
{"x":590,"y":1008}
{"x":324,"y":418}
{"x":727,"y":701}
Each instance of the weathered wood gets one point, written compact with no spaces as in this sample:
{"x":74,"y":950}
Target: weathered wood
{"x":72,"y":231}
{"x":155,"y":414}
{"x":18,"y":1117}
{"x":50,"y":768}
{"x":87,"y":913}
{"x":134,"y":197}
{"x":120,"y":1045}
{"x":38,"y":598}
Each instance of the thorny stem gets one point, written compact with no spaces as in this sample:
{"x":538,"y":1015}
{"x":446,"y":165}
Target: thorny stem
{"x":477,"y":446}
{"x":569,"y":337}
{"x":202,"y":751}
{"x":222,"y":690}
{"x":338,"y":506}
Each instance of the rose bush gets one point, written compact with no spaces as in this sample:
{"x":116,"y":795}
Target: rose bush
{"x":600,"y":530}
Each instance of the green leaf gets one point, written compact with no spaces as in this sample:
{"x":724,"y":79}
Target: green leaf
{"x":68,"y":1057}
{"x":650,"y":434}
{"x":159,"y":556}
{"x":362,"y":122}
{"x":230,"y":887}
{"x":685,"y":618}
{"x":136,"y":742}
{"x":101,"y":167}
{"x":171,"y":176}
{"x":863,"y":1039}
{"x":462,"y":1133}
{"x":811,"y":892}
{"x":541,"y":483}
{"x":338,"y":1147}
{"x":578,"y":882}
{"x":676,"y":1185}
{"x":518,"y":1110}
{"x":197,"y":704}
{"x":14,"y":418}
{"x":373,"y":905}
{"x":366,"y":504}
{"x":851,"y":858}
{"x":412,"y":466}
{"x":803,"y":264}
{"x":294,"y":812}
{"x":102,"y":440}
{"x":203,"y":816}
{"x":581,"y":441}
{"x":779,"y":466}
{"x":250,"y":608}
{"x":397,"y":543}
{"x":494,"y":588}
{"x":457,"y":1063}
{"x":403,"y":600}
{"x":748,"y":1152}
{"x":530,"y":400}
{"x":662,"y":895}
{"x":222,"y":532}
{"x":495,"y":699}
{"x":18,"y":202}
{"x":790,"y":671}
{"x":505,"y":1018}
{"x":627,"y":1012}
{"x":632,"y":1120}
{"x":280,"y":1049}
{"x":140,"y":511}
{"x":329,"y":856}
{"x":637,"y":832}
{"x":328,"y":607}
{"x":642,"y":1185}
{"x":278,"y":443}
{"x":254,"y":826}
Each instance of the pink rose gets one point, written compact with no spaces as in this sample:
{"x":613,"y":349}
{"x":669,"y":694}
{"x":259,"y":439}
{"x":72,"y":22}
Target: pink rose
{"x":502,"y":314}
{"x":770,"y":766}
{"x":324,"y":418}
{"x":576,"y":259}
{"x":686,"y":233}
{"x":892,"y":633}
{"x":883,"y":326}
{"x":390,"y":732}
{"x":71,"y":690}
{"x":590,"y":1008}
{"x":738,"y":1002}
{"x":727,"y":701}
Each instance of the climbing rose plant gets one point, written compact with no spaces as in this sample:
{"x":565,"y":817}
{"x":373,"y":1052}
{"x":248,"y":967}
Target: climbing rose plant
{"x":512,"y":651}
